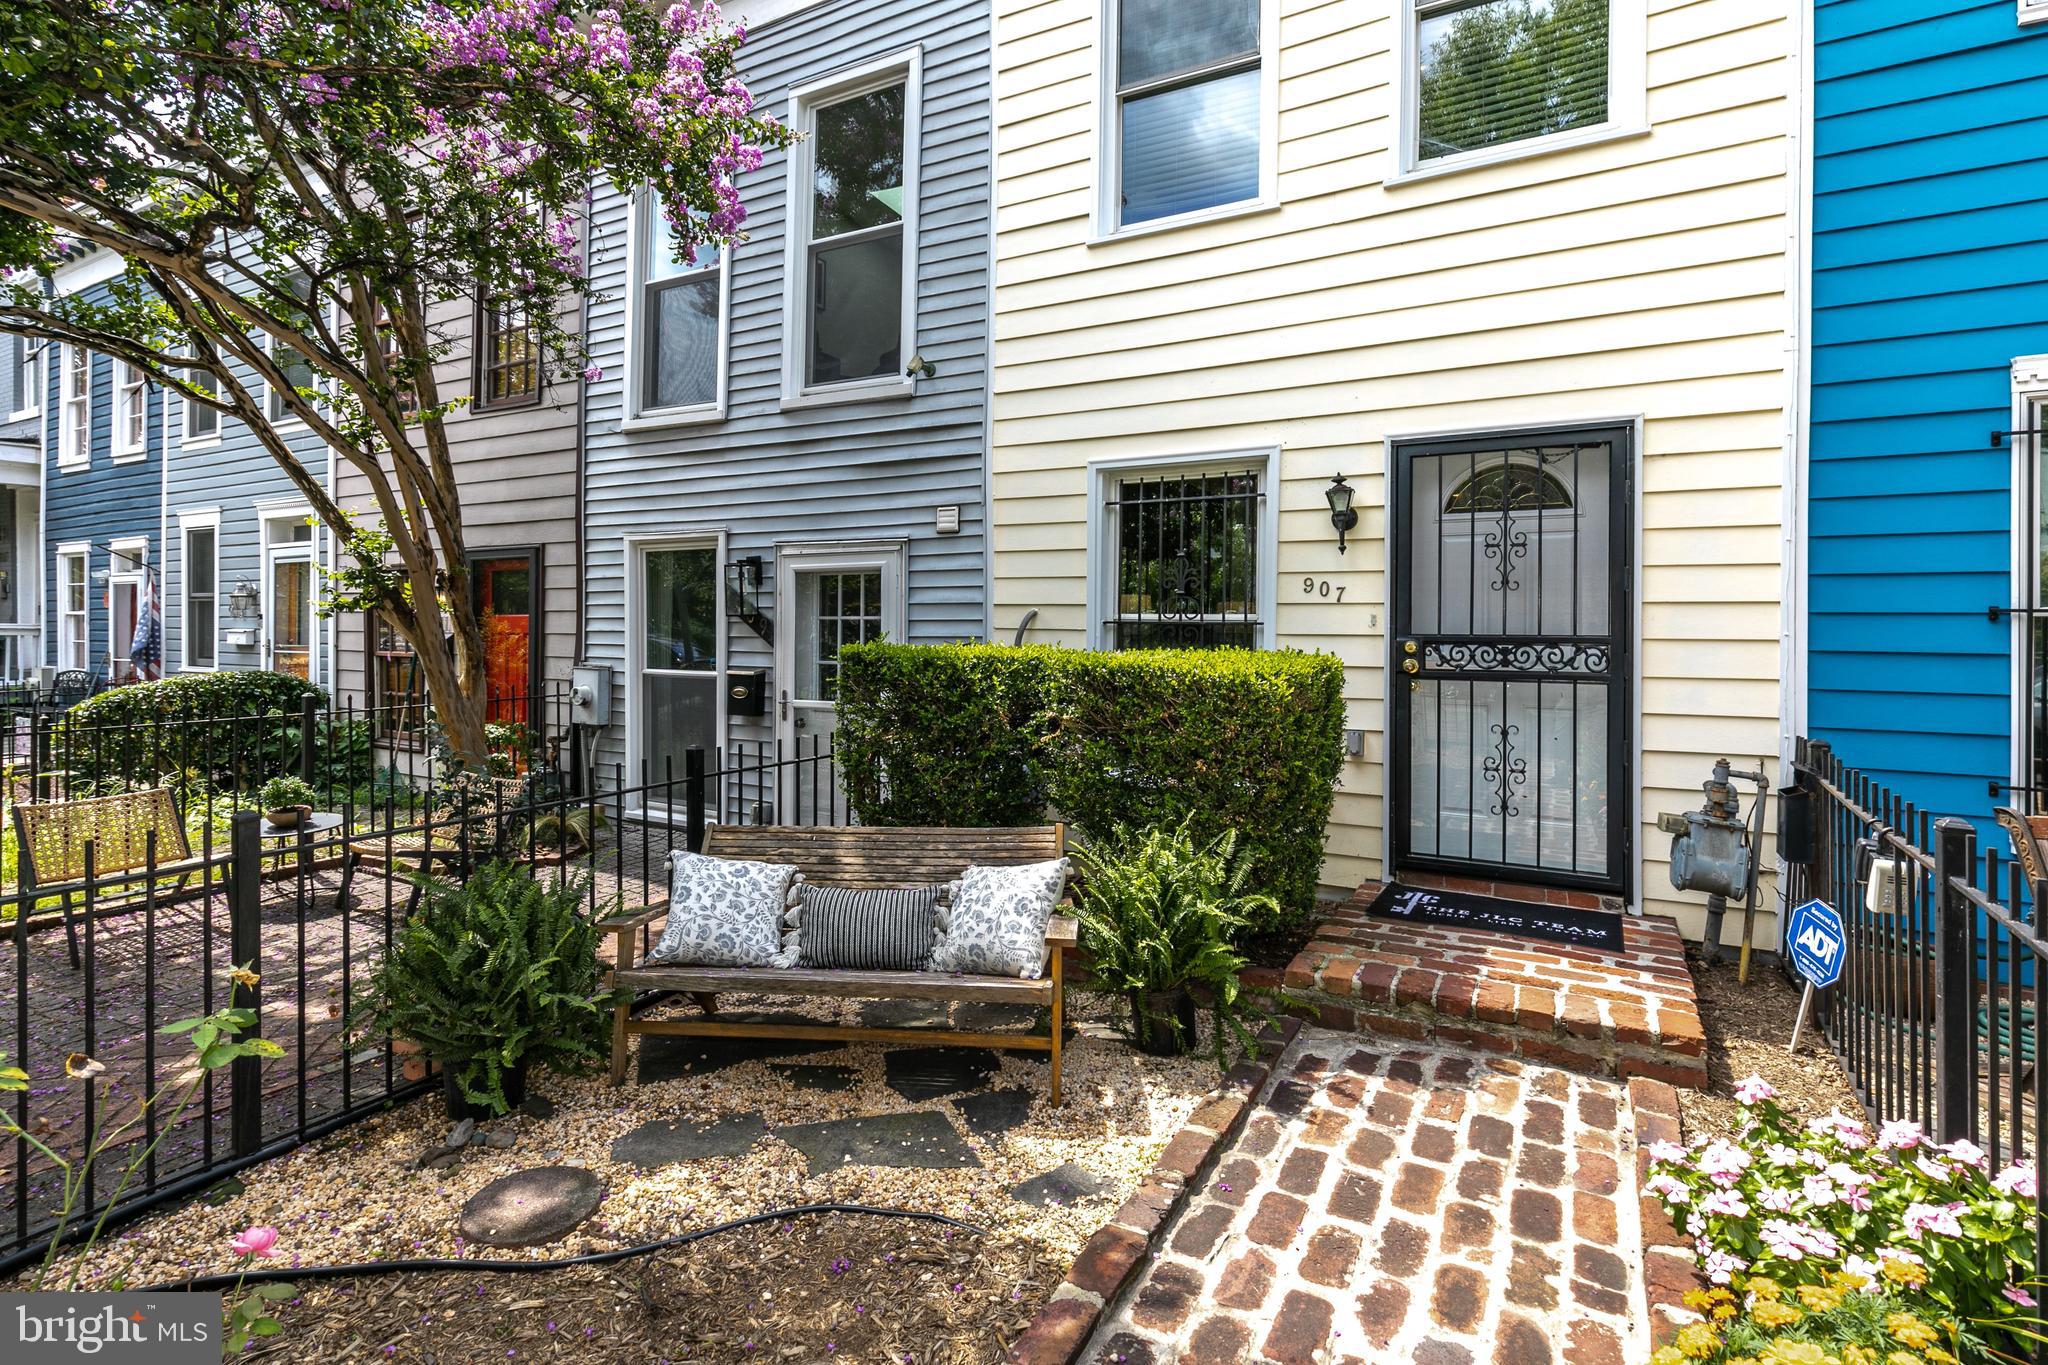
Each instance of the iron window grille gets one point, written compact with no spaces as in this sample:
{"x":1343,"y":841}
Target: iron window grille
{"x":1187,"y":561}
{"x":2030,"y":787}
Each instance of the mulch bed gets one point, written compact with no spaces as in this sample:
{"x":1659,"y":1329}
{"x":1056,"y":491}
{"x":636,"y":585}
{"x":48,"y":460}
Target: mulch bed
{"x":1747,"y":1028}
{"x":822,"y":1288}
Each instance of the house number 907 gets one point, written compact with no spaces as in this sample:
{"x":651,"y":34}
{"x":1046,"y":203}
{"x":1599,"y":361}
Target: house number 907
{"x":1322,"y":587}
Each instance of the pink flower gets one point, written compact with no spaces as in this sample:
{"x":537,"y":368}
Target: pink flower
{"x":1666,"y":1187}
{"x":2019,"y":1296}
{"x":2015,"y":1179}
{"x":1722,"y":1265}
{"x":1776,"y":1200}
{"x":1666,"y":1151}
{"x":1727,"y":1203}
{"x":256,"y":1241}
{"x":1791,"y":1241}
{"x":593,"y":373}
{"x":1901,"y":1134}
{"x":1723,"y":1162}
{"x":1844,"y":1129}
{"x":1819,"y":1191}
{"x":1869,"y":1270}
{"x":1934,"y":1168}
{"x":1778,"y":1154}
{"x":1939,"y":1219}
{"x":1755,"y":1090}
{"x":1967,"y":1153}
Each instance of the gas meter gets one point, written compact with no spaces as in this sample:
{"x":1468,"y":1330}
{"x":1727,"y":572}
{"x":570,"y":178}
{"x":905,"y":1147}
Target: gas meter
{"x":1714,"y":850}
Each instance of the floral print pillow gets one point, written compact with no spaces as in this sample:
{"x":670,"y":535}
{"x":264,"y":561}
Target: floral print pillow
{"x":724,"y":912}
{"x":996,"y":924}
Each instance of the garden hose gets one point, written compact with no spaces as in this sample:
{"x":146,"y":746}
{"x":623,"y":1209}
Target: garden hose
{"x":332,"y":1272}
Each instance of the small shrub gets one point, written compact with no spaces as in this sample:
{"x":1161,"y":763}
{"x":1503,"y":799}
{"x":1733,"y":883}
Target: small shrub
{"x":497,"y":971}
{"x":1225,"y":739}
{"x":1157,"y":912}
{"x":281,"y":792}
{"x":230,"y":728}
{"x":1797,"y":1204}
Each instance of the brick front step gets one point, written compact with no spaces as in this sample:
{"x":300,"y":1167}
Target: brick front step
{"x":1631,"y":1013}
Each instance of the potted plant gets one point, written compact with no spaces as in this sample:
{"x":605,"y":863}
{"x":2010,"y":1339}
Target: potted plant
{"x":496,"y":973}
{"x":1157,"y":910}
{"x":284,"y":800}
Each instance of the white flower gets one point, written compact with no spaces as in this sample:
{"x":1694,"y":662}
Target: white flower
{"x":1776,"y":1200}
{"x":1819,"y":1191}
{"x":1722,"y":1265}
{"x":1934,"y":1168}
{"x":1869,"y":1270}
{"x":1668,"y":1188}
{"x":1967,"y":1153}
{"x":1729,"y":1203}
{"x":2015,"y":1179}
{"x":1939,"y":1219}
{"x":1754,"y":1090}
{"x":1791,"y":1241}
{"x":1778,"y":1154}
{"x":1666,"y":1151}
{"x":1723,"y":1162}
{"x":1901,"y":1134}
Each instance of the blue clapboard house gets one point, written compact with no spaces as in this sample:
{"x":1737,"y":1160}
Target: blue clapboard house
{"x":1926,"y":648}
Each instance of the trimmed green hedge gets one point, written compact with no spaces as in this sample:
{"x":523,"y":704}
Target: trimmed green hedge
{"x":203,"y":726}
{"x":1250,"y":740}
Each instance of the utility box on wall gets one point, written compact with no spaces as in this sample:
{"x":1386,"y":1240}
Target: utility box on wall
{"x":590,"y":695}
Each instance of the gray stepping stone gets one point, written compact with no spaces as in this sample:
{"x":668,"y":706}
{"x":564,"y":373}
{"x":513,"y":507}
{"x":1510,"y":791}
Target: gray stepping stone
{"x":995,"y":1111}
{"x":812,"y":1076}
{"x":1068,"y":1184}
{"x":926,"y":1073}
{"x":665,"y":1058}
{"x":660,"y":1142}
{"x":530,"y":1207}
{"x":921,"y":1140}
{"x":904,"y":1013}
{"x":537,"y":1107}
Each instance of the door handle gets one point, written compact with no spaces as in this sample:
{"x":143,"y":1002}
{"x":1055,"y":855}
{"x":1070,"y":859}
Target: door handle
{"x":1409,"y":664}
{"x":783,"y":702}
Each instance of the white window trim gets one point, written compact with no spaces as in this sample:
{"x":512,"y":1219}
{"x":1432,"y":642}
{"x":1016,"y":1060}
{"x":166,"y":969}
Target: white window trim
{"x":291,"y":421}
{"x":1627,"y":99}
{"x":124,"y":452}
{"x":907,"y":67}
{"x":202,"y":519}
{"x":69,"y":455}
{"x":82,"y":551}
{"x":270,"y":511}
{"x":36,"y":356}
{"x":640,"y":235}
{"x":636,"y":546}
{"x":1107,"y":224}
{"x":2033,"y":12}
{"x":1102,"y":566}
{"x":2029,"y":411}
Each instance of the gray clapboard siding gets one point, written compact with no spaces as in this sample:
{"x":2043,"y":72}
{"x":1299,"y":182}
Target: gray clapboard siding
{"x":873,"y":470}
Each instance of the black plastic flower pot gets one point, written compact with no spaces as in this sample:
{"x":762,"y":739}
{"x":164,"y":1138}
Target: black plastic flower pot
{"x":1163,"y":1022}
{"x":460,"y":1106}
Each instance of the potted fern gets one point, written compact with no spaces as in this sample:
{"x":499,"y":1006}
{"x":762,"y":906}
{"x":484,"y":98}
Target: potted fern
{"x":1157,"y":909}
{"x":497,"y":973}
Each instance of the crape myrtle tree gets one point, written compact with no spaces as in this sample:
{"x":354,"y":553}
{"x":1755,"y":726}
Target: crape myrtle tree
{"x":294,"y":185}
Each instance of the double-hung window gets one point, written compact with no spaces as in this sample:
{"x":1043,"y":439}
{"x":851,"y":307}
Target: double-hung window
{"x":71,"y":601}
{"x":679,"y":314}
{"x":28,"y":376}
{"x":853,"y":265}
{"x":1485,"y":80}
{"x":131,"y":409}
{"x":199,"y":618}
{"x":74,"y":416}
{"x":1186,"y":131}
{"x":202,"y":423}
{"x":1183,"y":553}
{"x":508,"y":354}
{"x":297,"y":369}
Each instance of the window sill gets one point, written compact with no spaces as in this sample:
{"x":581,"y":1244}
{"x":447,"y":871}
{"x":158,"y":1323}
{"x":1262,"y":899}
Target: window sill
{"x":74,"y":462}
{"x":857,"y":391}
{"x":198,"y":443}
{"x":130,"y":456}
{"x":674,"y":417}
{"x":1518,"y":151}
{"x":199,"y":668}
{"x":2033,"y":12}
{"x":20,"y":413}
{"x":1224,"y":213}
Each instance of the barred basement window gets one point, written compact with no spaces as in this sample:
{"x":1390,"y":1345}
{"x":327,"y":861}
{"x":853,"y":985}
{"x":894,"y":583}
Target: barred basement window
{"x":1186,"y":557}
{"x":508,"y":355}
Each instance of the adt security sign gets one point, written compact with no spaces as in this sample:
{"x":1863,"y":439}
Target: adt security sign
{"x":1819,"y":943}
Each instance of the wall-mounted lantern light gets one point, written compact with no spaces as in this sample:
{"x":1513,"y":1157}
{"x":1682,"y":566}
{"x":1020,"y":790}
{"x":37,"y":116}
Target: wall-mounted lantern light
{"x":743,"y":595}
{"x":244,"y":601}
{"x":1341,"y":515}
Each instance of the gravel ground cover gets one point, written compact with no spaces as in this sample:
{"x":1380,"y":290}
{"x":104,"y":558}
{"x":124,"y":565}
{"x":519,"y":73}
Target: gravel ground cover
{"x":761,"y":1126}
{"x":824,"y":1288}
{"x":1748,"y":1027}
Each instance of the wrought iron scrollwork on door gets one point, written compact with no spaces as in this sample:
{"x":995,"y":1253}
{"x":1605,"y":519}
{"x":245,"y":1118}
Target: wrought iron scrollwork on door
{"x":1505,"y":770}
{"x":1563,"y":658}
{"x":1505,"y":546}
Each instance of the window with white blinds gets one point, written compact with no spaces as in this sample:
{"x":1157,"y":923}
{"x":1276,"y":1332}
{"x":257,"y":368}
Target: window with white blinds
{"x":1495,"y":72}
{"x":1188,"y":87}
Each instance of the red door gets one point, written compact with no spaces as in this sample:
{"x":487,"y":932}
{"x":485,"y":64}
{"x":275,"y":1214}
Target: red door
{"x":505,"y":603}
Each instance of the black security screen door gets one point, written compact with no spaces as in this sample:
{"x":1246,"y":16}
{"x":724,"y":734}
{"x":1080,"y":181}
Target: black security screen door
{"x":1511,"y":657}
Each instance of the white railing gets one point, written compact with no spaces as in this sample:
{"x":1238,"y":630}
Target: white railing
{"x":21,"y":650}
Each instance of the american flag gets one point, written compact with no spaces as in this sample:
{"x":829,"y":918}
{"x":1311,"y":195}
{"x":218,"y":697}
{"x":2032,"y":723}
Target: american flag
{"x":146,"y":650}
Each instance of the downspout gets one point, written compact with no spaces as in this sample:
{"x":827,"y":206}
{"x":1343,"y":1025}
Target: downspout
{"x":988,"y":372}
{"x":155,"y":583}
{"x":582,"y":417}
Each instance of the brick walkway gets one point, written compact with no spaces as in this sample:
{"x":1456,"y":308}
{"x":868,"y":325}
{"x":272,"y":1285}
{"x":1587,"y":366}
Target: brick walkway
{"x":1630,"y":1013}
{"x":1403,"y":1203}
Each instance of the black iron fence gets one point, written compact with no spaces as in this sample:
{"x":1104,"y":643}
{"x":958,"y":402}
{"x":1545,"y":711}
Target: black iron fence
{"x":311,"y":911}
{"x":1937,"y":1015}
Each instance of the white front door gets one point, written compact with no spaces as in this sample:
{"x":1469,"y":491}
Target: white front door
{"x":830,"y":595}
{"x":290,"y":641}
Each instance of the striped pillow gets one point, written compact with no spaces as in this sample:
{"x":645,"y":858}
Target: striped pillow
{"x":879,"y":930}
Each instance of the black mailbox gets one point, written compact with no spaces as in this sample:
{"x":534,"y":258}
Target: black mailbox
{"x":746,"y":692}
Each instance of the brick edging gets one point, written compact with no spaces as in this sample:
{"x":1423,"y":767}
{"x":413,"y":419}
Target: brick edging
{"x":1119,"y":1249}
{"x":1669,"y":1267}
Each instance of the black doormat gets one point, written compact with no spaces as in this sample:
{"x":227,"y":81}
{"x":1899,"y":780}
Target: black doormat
{"x":1463,"y":910}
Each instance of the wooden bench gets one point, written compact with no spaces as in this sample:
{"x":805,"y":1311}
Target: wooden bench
{"x":54,"y":834}
{"x":866,"y":857}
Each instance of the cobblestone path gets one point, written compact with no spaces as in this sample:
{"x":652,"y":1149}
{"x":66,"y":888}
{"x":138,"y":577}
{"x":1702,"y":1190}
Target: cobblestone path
{"x":1412,"y":1203}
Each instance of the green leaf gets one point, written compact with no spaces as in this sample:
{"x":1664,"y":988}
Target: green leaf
{"x":277,"y":1289}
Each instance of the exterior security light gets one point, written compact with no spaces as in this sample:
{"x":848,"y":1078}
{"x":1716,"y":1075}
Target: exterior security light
{"x":1341,"y":516}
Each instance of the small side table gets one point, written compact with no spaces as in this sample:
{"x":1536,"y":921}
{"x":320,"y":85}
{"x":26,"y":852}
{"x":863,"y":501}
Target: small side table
{"x":301,"y":833}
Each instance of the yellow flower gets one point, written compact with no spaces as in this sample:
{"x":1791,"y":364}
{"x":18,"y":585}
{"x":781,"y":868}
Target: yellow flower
{"x":1819,"y":1298}
{"x":1722,"y":1312}
{"x":1667,"y":1355}
{"x":1696,"y":1299}
{"x":1764,"y":1288}
{"x":242,"y":976}
{"x":1796,"y":1353}
{"x":1848,"y":1279}
{"x":1902,"y":1358}
{"x":79,"y":1067}
{"x":1775,"y":1314}
{"x":1697,"y":1340}
{"x":1905,"y":1272}
{"x":1938,"y":1356}
{"x":1911,"y":1330}
{"x":1852,"y":1354}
